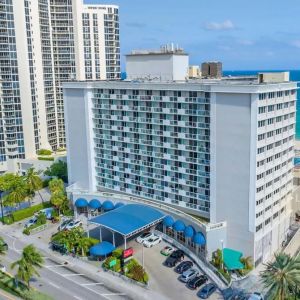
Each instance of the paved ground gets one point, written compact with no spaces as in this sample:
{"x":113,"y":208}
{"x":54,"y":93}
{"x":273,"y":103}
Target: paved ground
{"x":164,"y":280}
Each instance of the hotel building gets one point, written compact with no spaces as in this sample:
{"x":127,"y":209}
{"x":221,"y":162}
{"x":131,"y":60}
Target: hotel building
{"x":220,"y":149}
{"x":44,"y":43}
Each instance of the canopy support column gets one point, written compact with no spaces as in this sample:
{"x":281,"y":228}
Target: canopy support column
{"x":100,"y":232}
{"x":125,"y":244}
{"x":113,"y":234}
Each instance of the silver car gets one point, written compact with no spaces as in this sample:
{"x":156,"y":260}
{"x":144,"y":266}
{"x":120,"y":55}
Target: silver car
{"x":188,"y":275}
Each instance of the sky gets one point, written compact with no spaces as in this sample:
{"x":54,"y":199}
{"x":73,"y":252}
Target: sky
{"x":243,"y":34}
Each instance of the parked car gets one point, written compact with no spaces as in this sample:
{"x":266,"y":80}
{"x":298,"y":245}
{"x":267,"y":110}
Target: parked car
{"x":183,"y":266}
{"x":30,"y":222}
{"x":152,"y":241}
{"x":47,"y":212}
{"x":166,"y":251}
{"x":63,"y":225}
{"x":73,"y":224}
{"x":143,"y":237}
{"x":206,"y":291}
{"x":233,"y":294}
{"x":197,"y":282}
{"x":175,"y":257}
{"x":256,"y":296}
{"x":188,"y":275}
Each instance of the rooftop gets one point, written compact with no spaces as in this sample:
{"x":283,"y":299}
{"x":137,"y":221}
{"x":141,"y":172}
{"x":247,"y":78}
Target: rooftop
{"x":165,"y":49}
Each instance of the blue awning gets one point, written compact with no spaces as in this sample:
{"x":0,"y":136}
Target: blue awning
{"x":119,"y":204}
{"x":168,"y":221}
{"x":199,"y":239}
{"x":129,"y":219}
{"x":108,"y":205}
{"x":178,"y":226}
{"x":81,"y":202}
{"x":94,"y":203}
{"x":189,"y":231}
{"x":102,"y":249}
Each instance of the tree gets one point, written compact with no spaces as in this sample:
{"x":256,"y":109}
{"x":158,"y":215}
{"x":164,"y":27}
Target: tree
{"x":6,"y":181}
{"x":17,"y":191}
{"x":58,"y":169}
{"x":27,"y":264}
{"x":247,"y":262}
{"x":58,"y":199}
{"x":3,"y":246}
{"x":281,"y":275}
{"x":56,"y":186}
{"x":33,"y":182}
{"x":83,"y":246}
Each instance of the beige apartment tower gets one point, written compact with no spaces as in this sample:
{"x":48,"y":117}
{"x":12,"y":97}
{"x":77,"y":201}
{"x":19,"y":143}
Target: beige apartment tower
{"x":211,"y":69}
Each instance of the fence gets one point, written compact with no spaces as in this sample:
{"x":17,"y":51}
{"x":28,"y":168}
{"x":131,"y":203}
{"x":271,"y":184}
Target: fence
{"x":38,"y":229}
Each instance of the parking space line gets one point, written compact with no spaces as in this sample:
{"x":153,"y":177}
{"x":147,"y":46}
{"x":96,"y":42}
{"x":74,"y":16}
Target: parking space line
{"x":55,"y":285}
{"x":76,"y":297}
{"x":69,"y":275}
{"x":54,"y":266}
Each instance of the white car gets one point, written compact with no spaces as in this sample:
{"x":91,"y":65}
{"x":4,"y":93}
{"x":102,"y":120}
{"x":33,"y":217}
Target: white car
{"x":30,"y":222}
{"x":152,"y":241}
{"x":143,"y":237}
{"x":73,"y":224}
{"x":188,"y":275}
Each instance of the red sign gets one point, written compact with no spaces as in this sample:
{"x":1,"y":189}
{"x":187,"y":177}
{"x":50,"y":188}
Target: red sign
{"x":127,"y":252}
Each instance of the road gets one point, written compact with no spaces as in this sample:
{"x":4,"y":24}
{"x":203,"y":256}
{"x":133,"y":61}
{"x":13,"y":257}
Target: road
{"x":62,"y":281}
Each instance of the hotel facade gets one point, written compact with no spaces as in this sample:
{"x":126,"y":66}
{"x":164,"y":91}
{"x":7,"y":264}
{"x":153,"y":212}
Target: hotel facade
{"x":221,"y":150}
{"x":44,"y":43}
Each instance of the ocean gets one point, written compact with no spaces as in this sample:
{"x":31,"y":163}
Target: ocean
{"x":294,"y":76}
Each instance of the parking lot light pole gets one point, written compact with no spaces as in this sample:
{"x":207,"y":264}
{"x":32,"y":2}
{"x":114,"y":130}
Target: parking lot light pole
{"x":1,"y":202}
{"x":222,"y":254}
{"x":143,"y":256}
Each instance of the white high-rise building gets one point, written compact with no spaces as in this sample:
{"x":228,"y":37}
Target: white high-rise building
{"x":220,"y":149}
{"x":44,"y":43}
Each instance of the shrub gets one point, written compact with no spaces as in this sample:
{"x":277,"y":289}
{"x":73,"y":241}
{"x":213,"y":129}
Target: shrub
{"x":8,"y":220}
{"x":45,"y":158}
{"x":117,"y":253}
{"x":137,"y":273}
{"x":68,"y":212}
{"x":29,"y":211}
{"x":133,"y":262}
{"x":44,"y":152}
{"x":26,"y":231}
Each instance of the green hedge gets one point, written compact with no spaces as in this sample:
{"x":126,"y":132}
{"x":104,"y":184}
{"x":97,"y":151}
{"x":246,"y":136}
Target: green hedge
{"x":29,"y":211}
{"x":45,"y":158}
{"x":44,"y":152}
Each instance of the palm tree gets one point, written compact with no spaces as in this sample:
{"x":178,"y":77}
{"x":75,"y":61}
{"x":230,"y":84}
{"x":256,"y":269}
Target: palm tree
{"x":281,"y":275}
{"x":17,"y":192}
{"x":58,"y":199}
{"x":27,"y":264}
{"x":33,"y":182}
{"x":56,"y":186}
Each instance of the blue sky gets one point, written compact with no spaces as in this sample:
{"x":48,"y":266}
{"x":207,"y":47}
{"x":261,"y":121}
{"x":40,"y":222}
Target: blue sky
{"x":257,"y":34}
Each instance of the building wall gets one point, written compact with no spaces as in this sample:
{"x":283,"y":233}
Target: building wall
{"x":232,"y":167}
{"x":157,"y":66}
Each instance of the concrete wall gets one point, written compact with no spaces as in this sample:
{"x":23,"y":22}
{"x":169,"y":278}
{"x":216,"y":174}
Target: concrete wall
{"x":232,"y":131}
{"x":160,"y":66}
{"x":76,"y":126}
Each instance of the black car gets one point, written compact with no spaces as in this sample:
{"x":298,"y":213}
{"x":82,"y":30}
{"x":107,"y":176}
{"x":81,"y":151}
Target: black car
{"x":174,"y":258}
{"x":197,"y":282}
{"x":183,"y":266}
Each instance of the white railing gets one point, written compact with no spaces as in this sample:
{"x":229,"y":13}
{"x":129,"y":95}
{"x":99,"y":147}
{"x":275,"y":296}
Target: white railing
{"x":38,"y":229}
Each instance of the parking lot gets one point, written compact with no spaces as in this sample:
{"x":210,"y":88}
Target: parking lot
{"x":164,"y":280}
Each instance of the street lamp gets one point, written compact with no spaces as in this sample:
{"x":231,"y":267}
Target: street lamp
{"x":222,"y":254}
{"x":1,"y":202}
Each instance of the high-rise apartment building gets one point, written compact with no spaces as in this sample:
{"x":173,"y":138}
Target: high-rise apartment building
{"x":211,"y":69}
{"x":44,"y":43}
{"x":220,"y":149}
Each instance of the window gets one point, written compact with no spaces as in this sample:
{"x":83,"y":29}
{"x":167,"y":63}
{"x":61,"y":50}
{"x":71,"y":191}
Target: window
{"x":259,"y":227}
{"x":268,"y":221}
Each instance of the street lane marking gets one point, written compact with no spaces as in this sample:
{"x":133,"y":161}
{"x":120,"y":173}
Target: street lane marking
{"x":114,"y":294}
{"x":55,"y":285}
{"x":94,"y":283}
{"x":69,"y":275}
{"x":54,"y":266}
{"x":76,"y":297}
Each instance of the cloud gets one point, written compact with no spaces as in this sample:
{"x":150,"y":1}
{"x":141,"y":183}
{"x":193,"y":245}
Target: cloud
{"x":296,"y":43}
{"x":136,"y":24}
{"x":226,"y":25}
